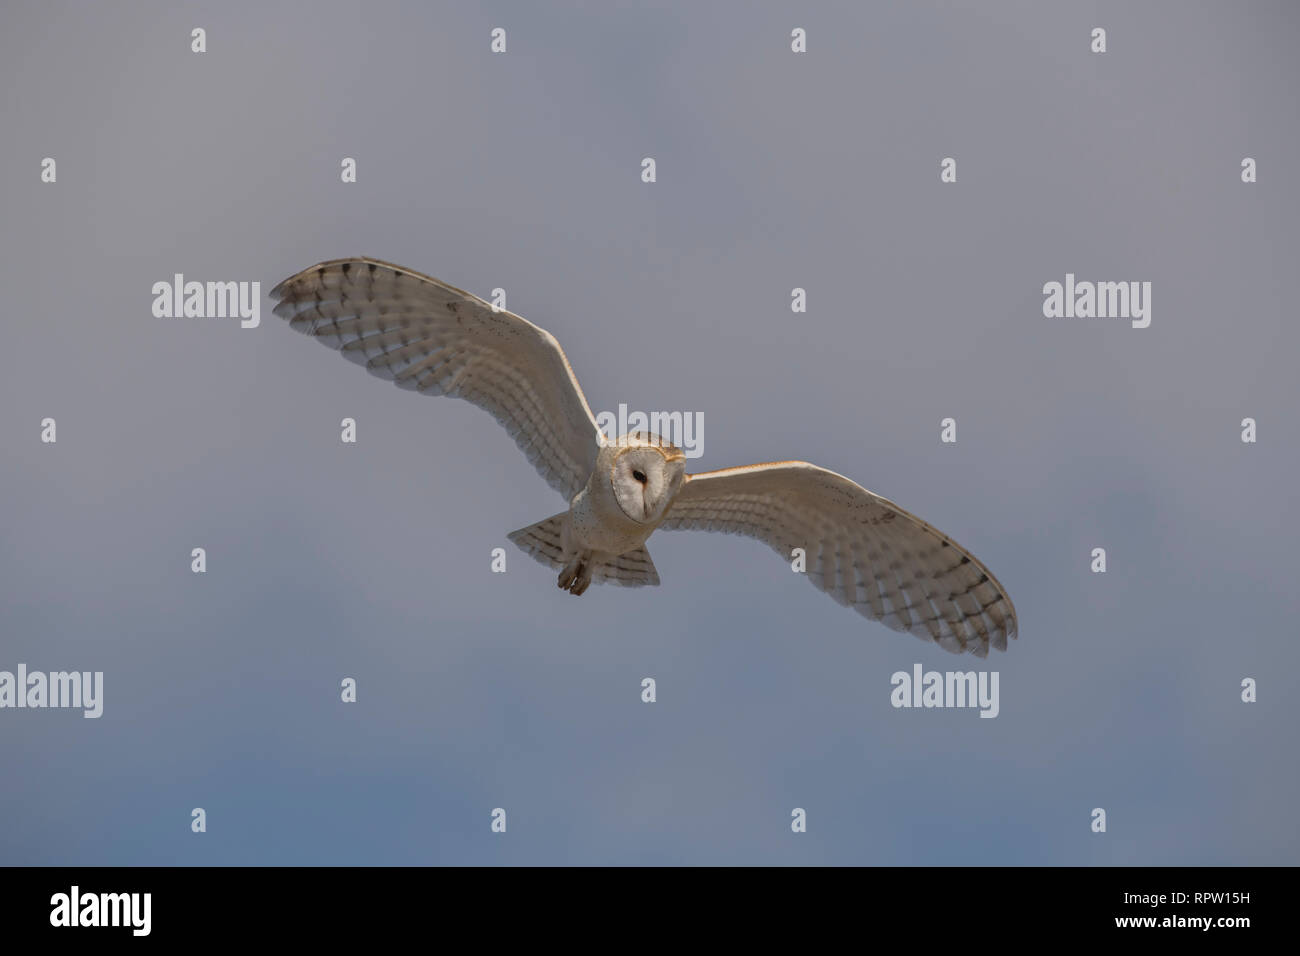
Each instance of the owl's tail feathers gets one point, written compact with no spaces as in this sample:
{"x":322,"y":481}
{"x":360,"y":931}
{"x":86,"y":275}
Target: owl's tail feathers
{"x":631,"y":569}
{"x":545,"y":542}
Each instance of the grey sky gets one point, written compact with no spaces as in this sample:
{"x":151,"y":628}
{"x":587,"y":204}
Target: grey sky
{"x":775,"y":170}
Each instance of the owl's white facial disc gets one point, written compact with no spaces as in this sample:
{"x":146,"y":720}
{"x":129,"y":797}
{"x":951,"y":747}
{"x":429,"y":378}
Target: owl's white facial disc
{"x":645,"y":481}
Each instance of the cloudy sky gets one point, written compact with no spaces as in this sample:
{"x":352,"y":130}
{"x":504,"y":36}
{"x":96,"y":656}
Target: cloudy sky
{"x":775,"y":170}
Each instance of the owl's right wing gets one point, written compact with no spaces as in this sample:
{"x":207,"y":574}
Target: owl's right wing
{"x":429,"y":337}
{"x":861,"y":549}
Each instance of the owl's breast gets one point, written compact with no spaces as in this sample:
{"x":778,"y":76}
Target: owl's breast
{"x":596,"y":522}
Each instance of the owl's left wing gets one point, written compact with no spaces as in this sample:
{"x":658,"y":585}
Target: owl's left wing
{"x":430,"y":337}
{"x":861,"y":549}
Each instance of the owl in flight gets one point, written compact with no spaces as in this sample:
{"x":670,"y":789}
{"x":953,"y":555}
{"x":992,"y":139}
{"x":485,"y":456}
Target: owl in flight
{"x":861,"y":549}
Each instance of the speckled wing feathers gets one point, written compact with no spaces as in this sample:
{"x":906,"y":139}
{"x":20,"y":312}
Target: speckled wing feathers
{"x":862,"y":550}
{"x":429,"y":337}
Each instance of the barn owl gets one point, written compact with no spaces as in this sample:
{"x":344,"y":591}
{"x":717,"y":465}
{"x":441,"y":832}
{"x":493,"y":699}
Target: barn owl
{"x":863,"y":550}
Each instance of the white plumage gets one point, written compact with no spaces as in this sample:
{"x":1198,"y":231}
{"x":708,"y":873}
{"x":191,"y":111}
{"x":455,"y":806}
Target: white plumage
{"x":430,"y":337}
{"x":861,"y":549}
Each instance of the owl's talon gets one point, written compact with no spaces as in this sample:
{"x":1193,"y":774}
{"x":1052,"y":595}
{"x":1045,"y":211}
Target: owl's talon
{"x":569,"y":576}
{"x":575,"y":577}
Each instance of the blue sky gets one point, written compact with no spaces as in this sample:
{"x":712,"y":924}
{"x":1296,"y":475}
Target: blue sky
{"x":775,"y":170}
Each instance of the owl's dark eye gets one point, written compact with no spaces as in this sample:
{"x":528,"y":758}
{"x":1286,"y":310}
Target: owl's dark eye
{"x":639,"y":476}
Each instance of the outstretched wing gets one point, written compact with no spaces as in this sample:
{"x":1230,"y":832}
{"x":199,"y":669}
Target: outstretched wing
{"x":429,"y":337}
{"x":861,"y":549}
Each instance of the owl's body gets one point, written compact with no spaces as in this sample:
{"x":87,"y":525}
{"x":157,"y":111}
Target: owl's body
{"x":863,"y":550}
{"x":605,"y":529}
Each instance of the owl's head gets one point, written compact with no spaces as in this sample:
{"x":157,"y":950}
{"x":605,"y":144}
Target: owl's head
{"x":646,"y":474}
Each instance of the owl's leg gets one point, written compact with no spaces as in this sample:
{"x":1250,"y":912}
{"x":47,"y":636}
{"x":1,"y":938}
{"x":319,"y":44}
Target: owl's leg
{"x":576,"y":575}
{"x":584,"y":579}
